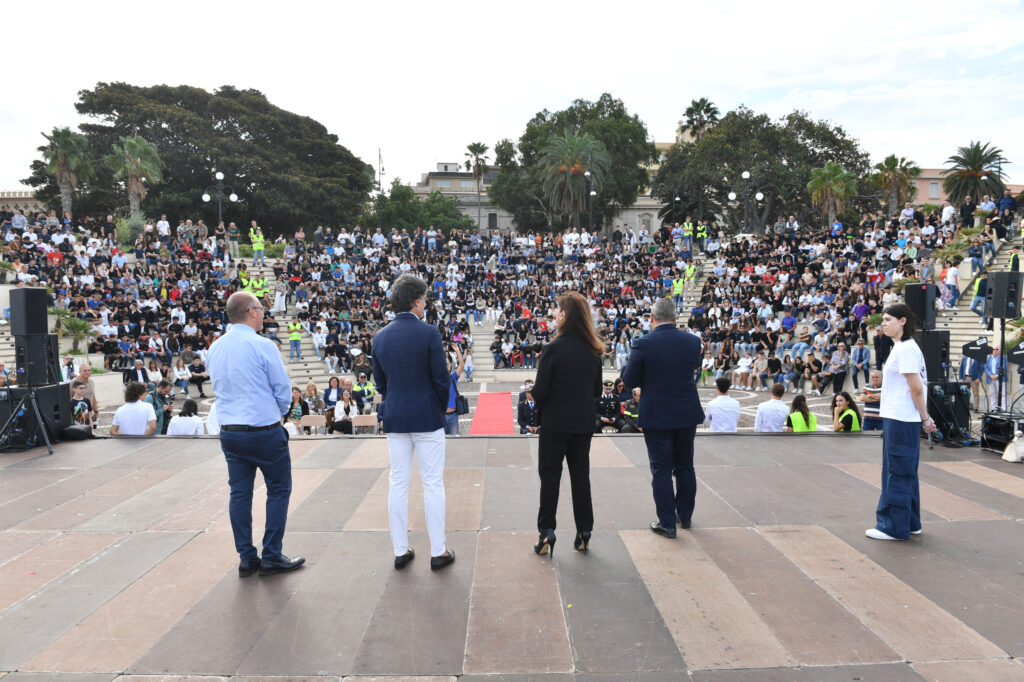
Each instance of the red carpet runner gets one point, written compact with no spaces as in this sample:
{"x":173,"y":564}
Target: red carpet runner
{"x":493,"y":416}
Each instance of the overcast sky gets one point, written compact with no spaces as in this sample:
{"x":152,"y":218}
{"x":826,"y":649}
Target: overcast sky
{"x":421,"y":80}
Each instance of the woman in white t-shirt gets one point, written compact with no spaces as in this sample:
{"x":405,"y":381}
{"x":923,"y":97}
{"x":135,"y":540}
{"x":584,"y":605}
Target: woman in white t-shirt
{"x":904,"y":413}
{"x":187,"y":422}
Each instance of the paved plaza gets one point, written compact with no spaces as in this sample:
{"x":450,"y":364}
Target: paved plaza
{"x":116,"y":562}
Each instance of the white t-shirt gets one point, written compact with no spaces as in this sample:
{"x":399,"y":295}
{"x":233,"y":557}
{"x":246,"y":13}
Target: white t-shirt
{"x":133,"y":418}
{"x":897,"y":403}
{"x":722,"y":414}
{"x":186,"y":426}
{"x":771,"y":416}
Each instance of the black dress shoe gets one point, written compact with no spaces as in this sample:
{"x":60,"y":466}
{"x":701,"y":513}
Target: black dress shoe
{"x":283,"y":565}
{"x":439,"y":562}
{"x":685,"y":525}
{"x":247,"y":568}
{"x":403,"y":561}
{"x":662,"y":531}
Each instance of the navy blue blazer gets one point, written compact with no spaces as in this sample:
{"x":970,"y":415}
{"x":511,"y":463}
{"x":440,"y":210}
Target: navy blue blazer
{"x":663,"y":364}
{"x":411,"y":374}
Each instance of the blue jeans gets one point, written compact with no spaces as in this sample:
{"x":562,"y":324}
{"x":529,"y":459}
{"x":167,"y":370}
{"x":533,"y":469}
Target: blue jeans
{"x":977,"y":264}
{"x":451,"y":424}
{"x":872,"y":424}
{"x":799,"y":348}
{"x":257,"y":254}
{"x":246,"y":452}
{"x":670,"y":453}
{"x":954,"y":293}
{"x":294,"y":349}
{"x":979,"y":301}
{"x":899,"y":506}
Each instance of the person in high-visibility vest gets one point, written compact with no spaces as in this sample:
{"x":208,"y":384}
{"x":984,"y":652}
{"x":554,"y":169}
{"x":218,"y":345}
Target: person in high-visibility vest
{"x":688,"y":234}
{"x":678,"y":284}
{"x":258,"y":253}
{"x":363,"y":391}
{"x":801,"y":419}
{"x":1014,"y":258}
{"x":702,"y":235}
{"x":259,"y":287}
{"x":295,"y":340}
{"x":689,"y":278}
{"x":245,"y":281}
{"x":845,"y":416}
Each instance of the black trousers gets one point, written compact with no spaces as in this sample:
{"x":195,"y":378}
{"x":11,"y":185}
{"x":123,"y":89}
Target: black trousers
{"x":574,"y":448}
{"x":619,"y":424}
{"x":838,"y":379}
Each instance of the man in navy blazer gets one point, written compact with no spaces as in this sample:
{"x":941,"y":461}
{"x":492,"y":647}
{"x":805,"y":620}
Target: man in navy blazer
{"x":663,"y":364}
{"x":411,"y":374}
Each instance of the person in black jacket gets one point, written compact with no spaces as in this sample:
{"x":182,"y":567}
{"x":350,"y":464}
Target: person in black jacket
{"x":568,"y":381}
{"x":529,"y":414}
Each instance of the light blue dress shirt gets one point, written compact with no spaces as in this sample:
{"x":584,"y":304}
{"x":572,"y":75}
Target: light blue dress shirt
{"x":249,"y":378}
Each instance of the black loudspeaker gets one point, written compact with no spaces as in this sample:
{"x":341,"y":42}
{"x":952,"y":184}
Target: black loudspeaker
{"x":54,"y":407}
{"x":1005,"y":289}
{"x":28,"y":311}
{"x":34,"y":357}
{"x":935,"y":347}
{"x":920,"y":298}
{"x":949,"y":404}
{"x":998,"y":429}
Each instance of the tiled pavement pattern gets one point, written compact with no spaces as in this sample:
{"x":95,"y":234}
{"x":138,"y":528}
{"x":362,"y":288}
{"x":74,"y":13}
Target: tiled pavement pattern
{"x":116,"y":562}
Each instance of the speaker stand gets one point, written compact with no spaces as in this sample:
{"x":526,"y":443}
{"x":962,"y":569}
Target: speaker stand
{"x":7,"y":431}
{"x":1001,"y":363}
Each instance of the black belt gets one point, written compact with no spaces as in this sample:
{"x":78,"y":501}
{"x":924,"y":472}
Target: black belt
{"x":246,"y":427}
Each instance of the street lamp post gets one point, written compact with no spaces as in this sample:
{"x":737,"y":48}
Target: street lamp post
{"x":590,"y":196}
{"x":746,"y":199}
{"x":675,"y":200}
{"x":218,"y":191}
{"x":380,"y":190}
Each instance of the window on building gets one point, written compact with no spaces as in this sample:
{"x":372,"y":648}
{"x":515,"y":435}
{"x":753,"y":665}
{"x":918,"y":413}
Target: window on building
{"x":933,"y":189}
{"x":492,"y":221}
{"x":468,"y":184}
{"x":444,"y":183}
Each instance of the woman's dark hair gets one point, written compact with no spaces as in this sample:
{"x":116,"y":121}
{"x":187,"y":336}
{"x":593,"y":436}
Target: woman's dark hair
{"x":578,"y":320}
{"x":849,"y":401}
{"x":899,"y":310}
{"x":800,"y":405}
{"x":189,"y":409}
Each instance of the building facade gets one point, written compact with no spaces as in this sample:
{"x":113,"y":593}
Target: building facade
{"x":22,"y":199}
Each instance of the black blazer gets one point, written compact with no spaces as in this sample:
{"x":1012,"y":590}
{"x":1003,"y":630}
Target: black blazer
{"x":568,"y":381}
{"x":663,"y":364}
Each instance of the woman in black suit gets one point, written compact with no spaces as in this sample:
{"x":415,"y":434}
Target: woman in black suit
{"x":568,"y":382}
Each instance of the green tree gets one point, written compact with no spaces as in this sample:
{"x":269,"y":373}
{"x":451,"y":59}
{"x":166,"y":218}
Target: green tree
{"x":831,"y":187}
{"x":518,"y":187}
{"x":135,"y":162}
{"x":79,"y":330}
{"x":287,"y":169}
{"x":476,"y":161}
{"x":974,"y":171}
{"x":565,"y":162}
{"x":895,"y":177}
{"x":699,"y":116}
{"x":401,"y":209}
{"x":68,"y":161}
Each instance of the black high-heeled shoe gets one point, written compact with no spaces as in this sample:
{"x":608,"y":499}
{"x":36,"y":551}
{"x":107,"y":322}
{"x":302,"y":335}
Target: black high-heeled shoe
{"x":545,"y":543}
{"x":582,"y":541}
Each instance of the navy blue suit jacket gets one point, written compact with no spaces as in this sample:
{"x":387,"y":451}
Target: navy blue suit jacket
{"x":662,"y":364}
{"x":411,"y":374}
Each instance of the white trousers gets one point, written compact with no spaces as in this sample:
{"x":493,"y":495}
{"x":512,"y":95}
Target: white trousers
{"x":429,"y":447}
{"x":279,"y":303}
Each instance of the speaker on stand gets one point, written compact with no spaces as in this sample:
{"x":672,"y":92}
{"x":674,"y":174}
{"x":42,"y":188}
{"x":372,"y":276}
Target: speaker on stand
{"x":920,"y":298}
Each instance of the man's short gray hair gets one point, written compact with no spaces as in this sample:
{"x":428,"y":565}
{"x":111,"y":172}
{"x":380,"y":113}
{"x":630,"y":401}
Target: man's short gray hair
{"x":406,"y":290}
{"x":664,"y":310}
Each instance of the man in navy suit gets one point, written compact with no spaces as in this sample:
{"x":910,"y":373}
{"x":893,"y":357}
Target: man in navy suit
{"x":663,"y":364}
{"x":411,"y":374}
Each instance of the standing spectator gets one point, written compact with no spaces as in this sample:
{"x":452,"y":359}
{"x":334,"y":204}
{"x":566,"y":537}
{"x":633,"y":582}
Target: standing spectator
{"x":840,"y":366}
{"x":413,"y":413}
{"x":978,"y":300}
{"x":187,"y":422}
{"x":136,"y":417}
{"x":663,"y":363}
{"x":860,"y":361}
{"x":871,"y":395}
{"x":953,"y":282}
{"x":883,"y":346}
{"x":995,"y":367}
{"x":723,"y":412}
{"x":89,"y":392}
{"x":771,"y":414}
{"x":970,"y":371}
{"x":568,"y":381}
{"x":904,"y":412}
{"x":253,"y":392}
{"x":81,"y":411}
{"x":451,"y":413}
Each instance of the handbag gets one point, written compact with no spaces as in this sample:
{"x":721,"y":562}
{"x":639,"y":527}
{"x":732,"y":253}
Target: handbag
{"x":461,"y":403}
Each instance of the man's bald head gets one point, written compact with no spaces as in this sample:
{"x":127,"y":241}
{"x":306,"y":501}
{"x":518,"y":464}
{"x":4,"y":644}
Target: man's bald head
{"x":238,"y":306}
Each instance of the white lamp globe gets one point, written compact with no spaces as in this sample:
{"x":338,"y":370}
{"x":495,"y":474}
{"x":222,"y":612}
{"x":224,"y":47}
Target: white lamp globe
{"x":746,"y":175}
{"x":219,"y":175}
{"x":759,"y":196}
{"x":206,"y":197}
{"x":233,"y":197}
{"x":732,"y":196}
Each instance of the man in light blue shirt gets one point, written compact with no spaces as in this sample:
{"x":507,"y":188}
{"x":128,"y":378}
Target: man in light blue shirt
{"x":253,"y":391}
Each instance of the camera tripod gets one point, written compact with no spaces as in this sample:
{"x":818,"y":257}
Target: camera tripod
{"x":14,"y":432}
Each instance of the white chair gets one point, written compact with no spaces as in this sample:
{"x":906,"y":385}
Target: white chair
{"x":364,"y":420}
{"x":314,"y":421}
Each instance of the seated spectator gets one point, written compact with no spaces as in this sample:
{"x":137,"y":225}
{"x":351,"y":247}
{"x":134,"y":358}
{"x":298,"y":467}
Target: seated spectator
{"x":771,"y":414}
{"x":722,"y":414}
{"x":800,"y":418}
{"x":136,"y":417}
{"x":609,"y":410}
{"x":845,"y":415}
{"x":198,"y":373}
{"x":296,"y":411}
{"x":528,"y":415}
{"x":187,"y":422}
{"x":344,"y":410}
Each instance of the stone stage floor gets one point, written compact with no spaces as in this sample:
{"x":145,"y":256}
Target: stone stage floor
{"x":116,"y":562}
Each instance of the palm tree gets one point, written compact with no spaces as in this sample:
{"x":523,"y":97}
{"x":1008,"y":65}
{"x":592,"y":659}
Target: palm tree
{"x":79,"y":330}
{"x":895,"y":176}
{"x":975,"y":170}
{"x":699,"y":116}
{"x":564,"y":162}
{"x":476,"y":161}
{"x":67,"y":159}
{"x":831,"y":187}
{"x":135,"y":161}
